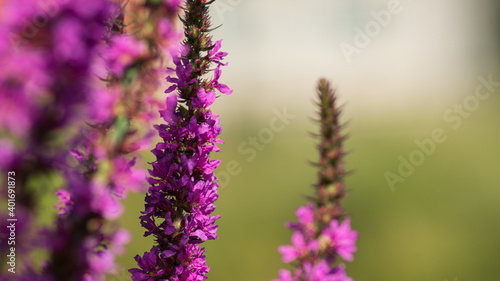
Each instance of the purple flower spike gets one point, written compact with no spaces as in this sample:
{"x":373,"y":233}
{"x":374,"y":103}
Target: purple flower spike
{"x":183,"y":191}
{"x":318,"y":237}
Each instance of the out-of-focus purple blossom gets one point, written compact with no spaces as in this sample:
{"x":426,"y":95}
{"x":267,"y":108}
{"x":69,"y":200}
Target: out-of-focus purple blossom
{"x":7,"y":153}
{"x":23,"y":86}
{"x":126,"y":176}
{"x":14,"y":16}
{"x":320,"y":271}
{"x":300,"y":247}
{"x":116,"y":135}
{"x":48,"y":84}
{"x":172,"y":4}
{"x":101,"y":262}
{"x":123,"y":51}
{"x":305,"y":216}
{"x":105,"y":101}
{"x":342,"y":238}
{"x":336,"y":238}
{"x":64,"y":204}
{"x":45,"y":85}
{"x":285,"y":275}
{"x":104,"y":202}
{"x":169,"y":33}
{"x":69,"y":36}
{"x":46,"y":68}
{"x":118,"y":241}
{"x":338,"y":274}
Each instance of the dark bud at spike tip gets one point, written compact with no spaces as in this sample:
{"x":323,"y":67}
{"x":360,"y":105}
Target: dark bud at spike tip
{"x":330,"y":186}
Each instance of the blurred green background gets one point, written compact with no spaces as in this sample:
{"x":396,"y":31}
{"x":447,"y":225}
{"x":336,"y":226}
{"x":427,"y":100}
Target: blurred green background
{"x":442,"y":222}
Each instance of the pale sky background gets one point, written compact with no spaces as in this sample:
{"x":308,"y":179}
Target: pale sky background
{"x":427,"y":58}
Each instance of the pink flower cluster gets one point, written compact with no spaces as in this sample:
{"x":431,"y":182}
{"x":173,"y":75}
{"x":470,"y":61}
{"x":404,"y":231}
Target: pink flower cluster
{"x":316,"y":249}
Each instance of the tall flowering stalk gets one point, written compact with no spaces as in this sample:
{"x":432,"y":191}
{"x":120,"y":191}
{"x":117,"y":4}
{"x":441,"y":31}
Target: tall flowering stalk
{"x":319,"y":236}
{"x":107,"y":148}
{"x":183,"y":188}
{"x":49,"y":87}
{"x":46,"y":51}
